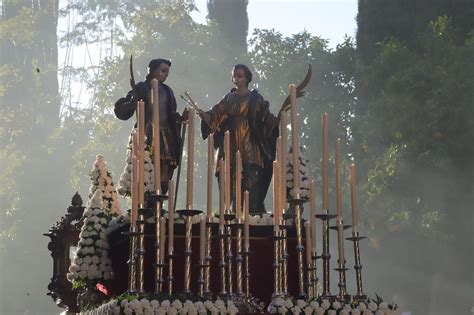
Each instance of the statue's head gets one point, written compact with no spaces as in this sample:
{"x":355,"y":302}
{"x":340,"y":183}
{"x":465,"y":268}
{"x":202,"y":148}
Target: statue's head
{"x":241,"y":68}
{"x":158,"y":69}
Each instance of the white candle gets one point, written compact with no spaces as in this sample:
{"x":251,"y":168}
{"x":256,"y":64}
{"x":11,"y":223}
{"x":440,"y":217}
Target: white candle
{"x":337,"y":162}
{"x":134,"y":180}
{"x":325,"y":164}
{"x":294,"y":141}
{"x":189,"y":190}
{"x":284,"y":150}
{"x":238,"y":182}
{"x":246,"y":222}
{"x":355,"y":228}
{"x":156,"y":135}
{"x":221,"y":193}
{"x":210,"y":167}
{"x":141,"y":153}
{"x":170,"y":217}
{"x":202,"y":240}
{"x":312,"y":205}
{"x":276,"y":207}
{"x":227,"y":169}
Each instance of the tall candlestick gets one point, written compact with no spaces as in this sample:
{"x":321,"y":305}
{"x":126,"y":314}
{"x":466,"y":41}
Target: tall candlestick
{"x":156,"y":135}
{"x":276,"y":210}
{"x":141,"y":153}
{"x":325,"y":163}
{"x":307,"y":230}
{"x":162,"y":238}
{"x":312,"y":206}
{"x":228,"y":177}
{"x":221,"y":194}
{"x":246,"y":222}
{"x":134,"y":181}
{"x":340,"y":230}
{"x":189,"y":191}
{"x":355,"y":228}
{"x":210,"y":167}
{"x":170,"y":217}
{"x":284,"y":150}
{"x":294,"y":143}
{"x":238,"y":188}
{"x":202,"y":240}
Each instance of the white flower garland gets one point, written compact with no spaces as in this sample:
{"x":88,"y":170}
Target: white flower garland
{"x":279,"y":306}
{"x":91,"y":261}
{"x":101,"y":179}
{"x":126,"y":176}
{"x":301,"y":307}
{"x":166,"y":307}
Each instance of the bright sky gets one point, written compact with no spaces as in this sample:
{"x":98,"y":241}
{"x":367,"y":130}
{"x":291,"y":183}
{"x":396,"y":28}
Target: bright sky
{"x":329,"y":19}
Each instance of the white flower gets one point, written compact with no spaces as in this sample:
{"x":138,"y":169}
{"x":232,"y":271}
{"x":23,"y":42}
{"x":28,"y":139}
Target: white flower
{"x":308,"y":310}
{"x":288,"y":303}
{"x":320,"y":311}
{"x":379,"y":312}
{"x":282,"y":310}
{"x":301,"y":303}
{"x":295,"y":310}
{"x":336,"y":305}
{"x":367,"y":312}
{"x":372,"y":306}
{"x":325,"y":304}
{"x":384,"y":306}
{"x":314,"y":304}
{"x":332,"y":312}
{"x":177,"y":304}
{"x":362,"y":306}
{"x":344,"y":312}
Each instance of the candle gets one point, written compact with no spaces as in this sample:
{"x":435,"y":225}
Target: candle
{"x":294,"y":143}
{"x":221,"y":193}
{"x":210,"y":166}
{"x":162,"y":238}
{"x":227,"y":169}
{"x":284,"y":150}
{"x":134,"y":180}
{"x":312,"y":206}
{"x":156,"y":135}
{"x":202,"y":239}
{"x":246,"y":222}
{"x":307,"y":229}
{"x":280,"y":178}
{"x":170,"y":217}
{"x":325,"y":163}
{"x":355,"y":228}
{"x":141,"y":153}
{"x":337,"y":161}
{"x":276,"y":207}
{"x":189,"y":190}
{"x":238,"y":182}
{"x":340,"y":227}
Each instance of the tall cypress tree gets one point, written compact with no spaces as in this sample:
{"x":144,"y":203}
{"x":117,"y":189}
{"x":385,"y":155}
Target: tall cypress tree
{"x":232,"y":20}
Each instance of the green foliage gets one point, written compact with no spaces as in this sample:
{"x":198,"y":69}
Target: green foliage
{"x":414,"y":134}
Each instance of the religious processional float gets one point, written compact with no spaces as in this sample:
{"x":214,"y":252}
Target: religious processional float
{"x":152,"y":260}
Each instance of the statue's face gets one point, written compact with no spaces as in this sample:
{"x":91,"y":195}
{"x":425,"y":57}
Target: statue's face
{"x":161,"y":73}
{"x":238,"y":78}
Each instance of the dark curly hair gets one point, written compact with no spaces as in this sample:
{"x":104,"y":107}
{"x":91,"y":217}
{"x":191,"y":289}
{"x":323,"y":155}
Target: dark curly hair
{"x":248,"y":73}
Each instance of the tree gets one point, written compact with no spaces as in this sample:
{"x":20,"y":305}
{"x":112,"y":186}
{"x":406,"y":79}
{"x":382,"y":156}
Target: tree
{"x":232,"y":20}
